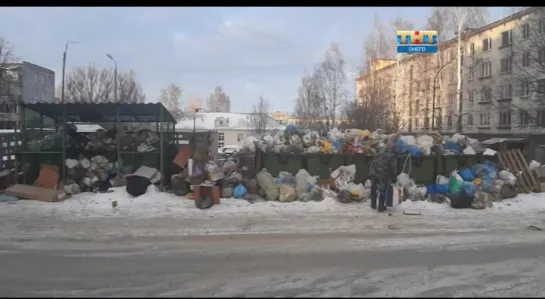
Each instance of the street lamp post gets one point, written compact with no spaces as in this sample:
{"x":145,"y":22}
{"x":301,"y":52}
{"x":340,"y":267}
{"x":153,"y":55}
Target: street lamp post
{"x":64,"y":67}
{"x":115,"y":77}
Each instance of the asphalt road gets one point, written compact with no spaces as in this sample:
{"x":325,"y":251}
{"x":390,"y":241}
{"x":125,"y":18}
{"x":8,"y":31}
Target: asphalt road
{"x":501,"y":264}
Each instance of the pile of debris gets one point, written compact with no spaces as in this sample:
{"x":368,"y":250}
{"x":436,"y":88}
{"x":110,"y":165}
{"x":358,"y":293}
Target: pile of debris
{"x":144,"y":140}
{"x":362,"y":142}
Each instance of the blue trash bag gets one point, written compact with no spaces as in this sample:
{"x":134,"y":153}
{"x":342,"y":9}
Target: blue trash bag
{"x":470,"y":189}
{"x":336,"y":145}
{"x":290,"y":130}
{"x":239,"y":191}
{"x":485,"y":171}
{"x":487,"y":185}
{"x":437,"y":189}
{"x":467,"y":175}
{"x":414,"y":150}
{"x":453,"y":146}
{"x":400,"y":147}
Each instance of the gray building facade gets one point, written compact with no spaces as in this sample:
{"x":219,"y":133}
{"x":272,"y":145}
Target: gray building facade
{"x":23,"y":82}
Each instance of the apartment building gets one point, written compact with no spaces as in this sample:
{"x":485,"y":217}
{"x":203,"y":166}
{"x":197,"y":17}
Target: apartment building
{"x":502,"y":81}
{"x":23,"y":82}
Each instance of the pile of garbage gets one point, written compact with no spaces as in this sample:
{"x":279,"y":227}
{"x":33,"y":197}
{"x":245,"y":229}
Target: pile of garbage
{"x":142,"y":141}
{"x":98,"y":174}
{"x":357,"y":141}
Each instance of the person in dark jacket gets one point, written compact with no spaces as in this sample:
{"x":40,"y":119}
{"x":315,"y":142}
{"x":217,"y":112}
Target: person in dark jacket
{"x":382,"y":172}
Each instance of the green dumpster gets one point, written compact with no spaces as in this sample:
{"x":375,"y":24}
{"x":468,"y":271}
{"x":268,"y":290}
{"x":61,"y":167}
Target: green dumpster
{"x":323,"y":164}
{"x":453,"y":162}
{"x":362,"y":163}
{"x":275,"y":163}
{"x":423,"y":170}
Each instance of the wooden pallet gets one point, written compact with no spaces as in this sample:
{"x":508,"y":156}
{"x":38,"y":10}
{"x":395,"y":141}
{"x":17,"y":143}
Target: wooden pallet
{"x":514,"y":161}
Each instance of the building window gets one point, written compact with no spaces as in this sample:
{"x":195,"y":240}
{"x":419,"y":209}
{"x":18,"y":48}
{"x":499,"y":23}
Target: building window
{"x":451,"y":77}
{"x":506,"y":64}
{"x":541,"y":86}
{"x":416,"y":123}
{"x":506,"y":38}
{"x":426,"y":122}
{"x":36,"y":78}
{"x":487,"y":44}
{"x":485,"y":119}
{"x":449,"y":120}
{"x":471,"y":72}
{"x":525,"y":30}
{"x":541,"y":27}
{"x":240,"y":136}
{"x":541,"y":56}
{"x":526,"y":59}
{"x":470,"y":119}
{"x":524,"y":88}
{"x":506,"y":91}
{"x":221,"y":139}
{"x":470,"y":96}
{"x":451,"y":99}
{"x":486,"y":94}
{"x":486,"y":69}
{"x":471,"y":49}
{"x":505,"y":118}
{"x":524,"y":118}
{"x":540,"y":118}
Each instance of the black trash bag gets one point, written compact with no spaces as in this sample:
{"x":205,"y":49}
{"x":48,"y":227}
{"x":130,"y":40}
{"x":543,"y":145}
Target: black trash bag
{"x":179,"y":186}
{"x":345,"y":196}
{"x":137,"y":185}
{"x":461,"y":200}
{"x":204,"y":203}
{"x":508,"y":191}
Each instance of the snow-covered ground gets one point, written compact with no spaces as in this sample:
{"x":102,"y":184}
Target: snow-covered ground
{"x":156,"y":204}
{"x":163,"y":214}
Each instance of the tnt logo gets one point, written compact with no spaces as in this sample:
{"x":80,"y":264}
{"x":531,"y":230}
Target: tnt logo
{"x":417,"y":41}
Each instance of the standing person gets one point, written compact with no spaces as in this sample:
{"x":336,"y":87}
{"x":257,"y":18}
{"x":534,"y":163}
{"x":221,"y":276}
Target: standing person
{"x":382,"y":172}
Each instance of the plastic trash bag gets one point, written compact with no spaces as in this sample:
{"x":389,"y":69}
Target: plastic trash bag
{"x":455,"y":185}
{"x":345,"y":196}
{"x":301,"y":182}
{"x":234,"y":178}
{"x":325,"y":146}
{"x":290,"y":130}
{"x":441,"y":180}
{"x":467,"y":175}
{"x":507,"y":177}
{"x":425,"y":142}
{"x":343,"y":175}
{"x":249,"y":143}
{"x":408,"y":139}
{"x":487,"y":185}
{"x":454,"y":147}
{"x":485,"y":171}
{"x":239,"y":191}
{"x":438,"y":189}
{"x":227,"y":192}
{"x":286,"y":193}
{"x":334,"y":135}
{"x":460,"y":200}
{"x":400,"y":147}
{"x":316,"y":193}
{"x":533,"y":165}
{"x":268,"y":139}
{"x":215,"y":173}
{"x":414,"y":150}
{"x":266,"y":182}
{"x":313,"y":149}
{"x":403,"y":180}
{"x":357,"y":190}
{"x":286,"y":178}
{"x":470,"y":189}
{"x":279,"y":139}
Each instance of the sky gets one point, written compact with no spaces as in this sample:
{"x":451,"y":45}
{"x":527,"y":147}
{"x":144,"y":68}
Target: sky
{"x":249,"y":51}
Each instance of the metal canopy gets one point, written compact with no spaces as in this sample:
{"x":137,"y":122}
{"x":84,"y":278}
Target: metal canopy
{"x":103,"y":112}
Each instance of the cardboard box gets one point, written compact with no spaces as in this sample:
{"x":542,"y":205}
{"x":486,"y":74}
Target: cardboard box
{"x":183,"y":155}
{"x":36,"y":193}
{"x":203,"y":190}
{"x":49,"y":177}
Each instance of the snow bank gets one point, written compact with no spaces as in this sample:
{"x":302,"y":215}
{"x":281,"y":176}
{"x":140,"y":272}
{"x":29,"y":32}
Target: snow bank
{"x":156,"y":204}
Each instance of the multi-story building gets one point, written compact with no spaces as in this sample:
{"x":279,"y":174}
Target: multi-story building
{"x":502,"y":80}
{"x":23,"y":82}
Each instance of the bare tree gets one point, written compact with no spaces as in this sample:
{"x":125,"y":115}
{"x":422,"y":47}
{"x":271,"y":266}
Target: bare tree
{"x":308,"y":102}
{"x":526,"y":53}
{"x":331,"y":78}
{"x":259,"y":118}
{"x":6,"y":56}
{"x":170,"y":97}
{"x":218,"y":101}
{"x":93,"y":85}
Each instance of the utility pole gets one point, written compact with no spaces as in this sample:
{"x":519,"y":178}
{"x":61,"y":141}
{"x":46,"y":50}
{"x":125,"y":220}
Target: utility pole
{"x":64,"y":67}
{"x":115,"y":77}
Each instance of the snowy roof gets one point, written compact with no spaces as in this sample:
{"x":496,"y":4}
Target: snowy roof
{"x":219,"y":120}
{"x":88,"y":128}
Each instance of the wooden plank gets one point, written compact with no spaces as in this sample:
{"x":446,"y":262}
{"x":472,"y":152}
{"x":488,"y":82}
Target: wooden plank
{"x":530,"y":174}
{"x":513,"y":168}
